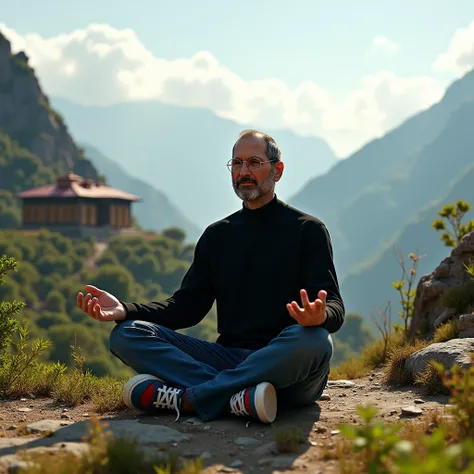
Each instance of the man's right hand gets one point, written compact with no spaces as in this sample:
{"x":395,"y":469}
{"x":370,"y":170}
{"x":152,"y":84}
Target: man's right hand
{"x":101,"y":305}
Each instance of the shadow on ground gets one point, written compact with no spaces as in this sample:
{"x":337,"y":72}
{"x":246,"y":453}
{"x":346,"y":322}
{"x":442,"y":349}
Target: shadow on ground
{"x":227,"y":441}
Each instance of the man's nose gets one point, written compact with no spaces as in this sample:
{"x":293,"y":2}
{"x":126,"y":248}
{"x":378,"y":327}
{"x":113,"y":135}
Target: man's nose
{"x":244,"y":170}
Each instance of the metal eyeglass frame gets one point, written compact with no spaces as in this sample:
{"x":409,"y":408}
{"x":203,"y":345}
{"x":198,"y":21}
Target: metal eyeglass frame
{"x":256,"y":158}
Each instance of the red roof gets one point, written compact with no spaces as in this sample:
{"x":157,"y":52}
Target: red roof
{"x":72,"y":186}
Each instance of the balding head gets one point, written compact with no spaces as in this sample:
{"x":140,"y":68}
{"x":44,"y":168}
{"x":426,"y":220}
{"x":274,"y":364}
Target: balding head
{"x":272,"y":150}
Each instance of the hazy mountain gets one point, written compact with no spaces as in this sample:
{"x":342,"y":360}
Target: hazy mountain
{"x":368,"y":197}
{"x":155,"y":212}
{"x":369,"y":286}
{"x":183,"y":152}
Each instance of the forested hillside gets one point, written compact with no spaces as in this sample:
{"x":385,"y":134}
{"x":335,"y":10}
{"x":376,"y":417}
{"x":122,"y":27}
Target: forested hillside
{"x":53,"y":269}
{"x":37,"y":146}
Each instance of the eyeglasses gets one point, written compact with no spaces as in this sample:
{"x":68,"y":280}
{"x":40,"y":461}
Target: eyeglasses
{"x":253,"y":164}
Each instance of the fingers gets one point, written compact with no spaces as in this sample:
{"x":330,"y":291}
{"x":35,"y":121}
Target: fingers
{"x":93,"y":290}
{"x":305,"y":299}
{"x":89,"y":305}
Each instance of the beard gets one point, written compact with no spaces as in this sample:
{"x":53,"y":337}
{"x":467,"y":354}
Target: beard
{"x":257,"y":191}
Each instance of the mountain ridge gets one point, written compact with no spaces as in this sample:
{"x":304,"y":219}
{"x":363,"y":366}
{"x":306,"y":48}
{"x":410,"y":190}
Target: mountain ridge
{"x":183,"y":151}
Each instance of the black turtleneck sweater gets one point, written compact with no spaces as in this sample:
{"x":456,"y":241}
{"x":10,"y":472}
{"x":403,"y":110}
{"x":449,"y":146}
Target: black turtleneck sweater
{"x":252,"y":263}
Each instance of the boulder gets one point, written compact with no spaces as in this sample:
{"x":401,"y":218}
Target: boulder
{"x":455,"y":351}
{"x":429,"y":313}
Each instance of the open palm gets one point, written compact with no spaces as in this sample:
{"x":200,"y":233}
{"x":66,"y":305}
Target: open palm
{"x":100,"y":304}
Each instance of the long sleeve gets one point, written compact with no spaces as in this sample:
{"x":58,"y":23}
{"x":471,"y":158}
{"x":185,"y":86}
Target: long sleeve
{"x":190,"y":303}
{"x":319,"y":272}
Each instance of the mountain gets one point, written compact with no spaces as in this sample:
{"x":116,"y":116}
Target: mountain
{"x":183,"y":152}
{"x":368,"y":197}
{"x":29,"y":121}
{"x":36,"y":146}
{"x":155,"y":212}
{"x":369,"y":286}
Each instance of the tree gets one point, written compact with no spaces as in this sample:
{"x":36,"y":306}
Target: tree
{"x":8,"y":310}
{"x":175,"y":233}
{"x":454,"y":215}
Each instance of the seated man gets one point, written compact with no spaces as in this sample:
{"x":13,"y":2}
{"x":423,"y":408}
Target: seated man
{"x":270,"y":269}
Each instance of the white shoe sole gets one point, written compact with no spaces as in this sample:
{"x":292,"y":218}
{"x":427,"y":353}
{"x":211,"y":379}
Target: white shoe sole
{"x":131,"y":384}
{"x":266,"y":402}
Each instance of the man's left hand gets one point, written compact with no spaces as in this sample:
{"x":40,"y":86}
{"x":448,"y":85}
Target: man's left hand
{"x":313,"y":313}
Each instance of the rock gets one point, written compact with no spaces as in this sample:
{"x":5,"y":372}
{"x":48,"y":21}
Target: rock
{"x":236,"y":463}
{"x":320,"y":429}
{"x":411,"y":411}
{"x":325,"y":397}
{"x":145,"y":433}
{"x":465,"y":325}
{"x":25,"y":114}
{"x":428,"y":311}
{"x":243,"y":441}
{"x":447,"y":353}
{"x":194,"y":421}
{"x":269,"y":448}
{"x":340,"y":384}
{"x":44,"y":426}
{"x":24,"y":410}
{"x":283,"y":461}
{"x":418,"y":401}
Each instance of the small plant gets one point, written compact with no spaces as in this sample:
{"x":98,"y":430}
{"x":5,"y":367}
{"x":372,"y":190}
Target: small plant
{"x":374,"y":440}
{"x":384,"y":325}
{"x":470,"y":269}
{"x":454,"y":215}
{"x":17,"y":353}
{"x":446,"y":332}
{"x":396,"y":373}
{"x":288,"y":439}
{"x":407,"y":295}
{"x":459,"y":297}
{"x":460,"y":383}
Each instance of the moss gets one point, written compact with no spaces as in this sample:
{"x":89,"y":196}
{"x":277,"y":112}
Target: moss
{"x":459,"y":297}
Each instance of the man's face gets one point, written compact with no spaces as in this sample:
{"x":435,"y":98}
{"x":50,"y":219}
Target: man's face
{"x":250,"y":185}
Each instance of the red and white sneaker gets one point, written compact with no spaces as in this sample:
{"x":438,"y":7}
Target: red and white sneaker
{"x":258,"y":402}
{"x":146,"y":392}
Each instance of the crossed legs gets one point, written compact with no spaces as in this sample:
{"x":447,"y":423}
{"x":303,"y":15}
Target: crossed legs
{"x":295,"y":363}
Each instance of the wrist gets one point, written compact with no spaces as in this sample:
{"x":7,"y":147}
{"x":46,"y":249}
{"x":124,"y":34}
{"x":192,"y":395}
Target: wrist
{"x":122,"y":313}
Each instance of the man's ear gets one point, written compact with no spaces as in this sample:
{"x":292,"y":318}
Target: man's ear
{"x":279,"y":167}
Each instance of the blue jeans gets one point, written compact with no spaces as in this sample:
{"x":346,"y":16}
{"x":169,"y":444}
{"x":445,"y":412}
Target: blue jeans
{"x":296,"y":362}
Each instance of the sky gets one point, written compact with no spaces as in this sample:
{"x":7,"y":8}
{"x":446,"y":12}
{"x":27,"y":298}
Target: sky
{"x":341,"y":70}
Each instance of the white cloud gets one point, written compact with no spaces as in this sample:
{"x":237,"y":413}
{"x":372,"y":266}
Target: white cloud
{"x":381,"y":43}
{"x":100,"y":65}
{"x":459,"y":58}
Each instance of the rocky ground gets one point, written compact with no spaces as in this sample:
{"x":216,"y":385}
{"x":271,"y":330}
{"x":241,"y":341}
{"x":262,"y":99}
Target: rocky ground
{"x":227,"y":445}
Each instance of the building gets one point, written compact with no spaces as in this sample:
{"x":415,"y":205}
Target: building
{"x":77,"y":207}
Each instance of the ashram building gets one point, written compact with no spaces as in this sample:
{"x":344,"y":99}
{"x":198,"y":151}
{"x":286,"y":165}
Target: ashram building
{"x":77,"y":207}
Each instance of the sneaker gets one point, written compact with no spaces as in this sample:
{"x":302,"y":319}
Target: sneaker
{"x":149,"y":393}
{"x":259,"y":402}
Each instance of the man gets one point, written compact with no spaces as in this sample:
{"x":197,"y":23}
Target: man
{"x":270,"y":269}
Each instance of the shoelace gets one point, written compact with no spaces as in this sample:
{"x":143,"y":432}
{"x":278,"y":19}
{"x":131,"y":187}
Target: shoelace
{"x":237,"y":404}
{"x":167,"y":397}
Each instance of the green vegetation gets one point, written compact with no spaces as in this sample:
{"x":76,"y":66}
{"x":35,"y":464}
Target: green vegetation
{"x":453,"y":214}
{"x":56,"y":268}
{"x":21,"y":170}
{"x":407,"y":296}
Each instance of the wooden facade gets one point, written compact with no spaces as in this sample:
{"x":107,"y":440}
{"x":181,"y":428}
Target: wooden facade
{"x":95,"y":214}
{"x":77,"y":207}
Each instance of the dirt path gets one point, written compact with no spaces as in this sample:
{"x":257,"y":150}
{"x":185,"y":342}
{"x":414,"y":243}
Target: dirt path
{"x":226,"y":445}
